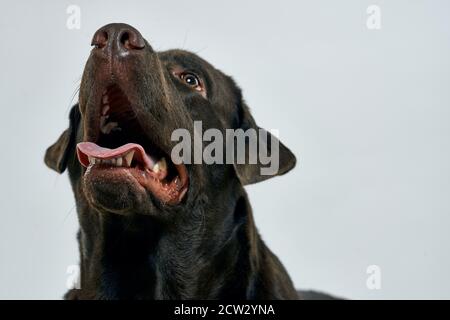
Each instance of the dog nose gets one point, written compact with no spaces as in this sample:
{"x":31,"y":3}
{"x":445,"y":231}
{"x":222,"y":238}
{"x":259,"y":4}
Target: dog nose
{"x":118,"y":36}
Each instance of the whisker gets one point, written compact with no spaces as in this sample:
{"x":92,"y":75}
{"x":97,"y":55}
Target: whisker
{"x":68,"y":214}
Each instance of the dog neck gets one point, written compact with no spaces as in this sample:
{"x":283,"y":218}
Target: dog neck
{"x":137,"y":257}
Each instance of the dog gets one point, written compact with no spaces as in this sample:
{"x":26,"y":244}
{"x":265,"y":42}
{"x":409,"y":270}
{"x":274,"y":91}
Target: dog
{"x":151,"y":228}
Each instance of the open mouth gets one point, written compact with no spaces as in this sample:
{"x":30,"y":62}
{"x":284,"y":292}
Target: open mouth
{"x":122,"y":147}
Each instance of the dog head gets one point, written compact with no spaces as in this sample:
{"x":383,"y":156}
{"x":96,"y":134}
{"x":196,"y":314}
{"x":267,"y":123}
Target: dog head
{"x":120,"y":141}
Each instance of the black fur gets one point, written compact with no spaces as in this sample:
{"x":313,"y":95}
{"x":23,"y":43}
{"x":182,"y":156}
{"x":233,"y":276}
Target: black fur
{"x":134,"y":246}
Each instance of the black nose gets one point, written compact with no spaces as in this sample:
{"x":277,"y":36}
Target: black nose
{"x":118,"y":36}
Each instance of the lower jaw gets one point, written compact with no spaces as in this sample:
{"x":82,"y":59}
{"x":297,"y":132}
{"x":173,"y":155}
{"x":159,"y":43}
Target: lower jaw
{"x":123,"y":189}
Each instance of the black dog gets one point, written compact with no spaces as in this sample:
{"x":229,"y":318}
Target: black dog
{"x":150,"y":228}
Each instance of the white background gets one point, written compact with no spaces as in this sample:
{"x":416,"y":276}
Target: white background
{"x":366,"y":112}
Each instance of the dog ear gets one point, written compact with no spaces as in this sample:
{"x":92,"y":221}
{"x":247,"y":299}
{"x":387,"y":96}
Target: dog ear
{"x":58,"y":153}
{"x":252,"y":173}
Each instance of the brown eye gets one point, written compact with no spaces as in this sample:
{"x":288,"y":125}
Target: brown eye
{"x":191,"y":80}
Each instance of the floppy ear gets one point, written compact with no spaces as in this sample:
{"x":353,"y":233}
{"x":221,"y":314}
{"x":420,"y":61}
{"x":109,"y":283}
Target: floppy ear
{"x":58,"y":153}
{"x":252,"y":173}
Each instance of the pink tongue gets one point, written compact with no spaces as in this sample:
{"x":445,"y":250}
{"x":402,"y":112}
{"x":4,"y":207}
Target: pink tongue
{"x":89,"y":149}
{"x":92,"y":150}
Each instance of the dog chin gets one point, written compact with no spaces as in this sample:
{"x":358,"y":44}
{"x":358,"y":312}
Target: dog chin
{"x":110,"y":193}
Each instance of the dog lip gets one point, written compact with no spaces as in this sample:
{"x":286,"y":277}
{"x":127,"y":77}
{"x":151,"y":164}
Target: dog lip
{"x":148,"y":173}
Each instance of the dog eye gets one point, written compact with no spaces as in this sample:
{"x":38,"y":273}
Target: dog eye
{"x":191,"y":80}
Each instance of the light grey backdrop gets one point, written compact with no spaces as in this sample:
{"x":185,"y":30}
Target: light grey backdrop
{"x":366,"y":112}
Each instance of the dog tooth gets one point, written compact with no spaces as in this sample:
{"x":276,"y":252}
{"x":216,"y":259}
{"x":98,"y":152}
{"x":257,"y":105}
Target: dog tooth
{"x":91,"y":160}
{"x":105,"y":110}
{"x":161,"y":165}
{"x":119,"y":162}
{"x":129,"y":158}
{"x":177,"y":183}
{"x":113,"y":161}
{"x":106,"y":128}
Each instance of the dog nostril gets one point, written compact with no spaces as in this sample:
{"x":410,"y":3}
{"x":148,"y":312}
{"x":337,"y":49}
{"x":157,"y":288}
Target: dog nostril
{"x":131,"y":40}
{"x":125,"y":40}
{"x":100,"y":39}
